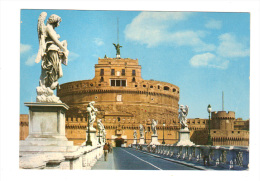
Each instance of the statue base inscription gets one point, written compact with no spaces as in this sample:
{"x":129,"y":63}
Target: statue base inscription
{"x":184,"y":138}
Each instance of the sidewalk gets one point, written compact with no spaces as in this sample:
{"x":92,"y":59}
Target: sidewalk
{"x":105,"y":165}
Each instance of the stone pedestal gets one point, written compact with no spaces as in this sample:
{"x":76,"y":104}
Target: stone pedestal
{"x":155,"y":140}
{"x":99,"y":137}
{"x":184,"y":138}
{"x":46,"y":129}
{"x":135,"y":141}
{"x":141,"y":140}
{"x":93,"y":137}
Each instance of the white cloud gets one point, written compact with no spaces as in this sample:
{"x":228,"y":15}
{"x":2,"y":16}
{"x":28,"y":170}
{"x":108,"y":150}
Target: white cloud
{"x":154,"y":28}
{"x":213,"y":24}
{"x":208,"y":60}
{"x":232,"y":48}
{"x":31,"y":60}
{"x":72,"y":56}
{"x":98,"y":41}
{"x":24,"y":48}
{"x":202,"y":59}
{"x":191,"y":38}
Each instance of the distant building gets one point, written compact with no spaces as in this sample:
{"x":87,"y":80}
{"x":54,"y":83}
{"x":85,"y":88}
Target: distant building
{"x":24,"y":126}
{"x":226,"y":130}
{"x":125,"y":101}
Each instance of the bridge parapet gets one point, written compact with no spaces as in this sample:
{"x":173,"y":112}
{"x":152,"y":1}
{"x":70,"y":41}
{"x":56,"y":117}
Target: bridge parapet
{"x":84,"y":158}
{"x":226,"y":157}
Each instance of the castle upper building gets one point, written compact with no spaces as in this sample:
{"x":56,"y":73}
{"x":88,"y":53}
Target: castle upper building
{"x":123,"y":98}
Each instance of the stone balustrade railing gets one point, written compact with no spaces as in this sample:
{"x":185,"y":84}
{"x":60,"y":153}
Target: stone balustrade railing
{"x":84,"y":158}
{"x":227,"y":157}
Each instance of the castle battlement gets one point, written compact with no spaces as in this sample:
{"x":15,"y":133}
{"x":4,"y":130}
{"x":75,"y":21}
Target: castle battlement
{"x":223,"y":115}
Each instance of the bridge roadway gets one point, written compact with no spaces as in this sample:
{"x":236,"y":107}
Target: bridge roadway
{"x":131,"y":159}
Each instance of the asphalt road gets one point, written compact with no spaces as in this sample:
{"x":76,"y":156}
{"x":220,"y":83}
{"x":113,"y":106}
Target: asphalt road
{"x":130,"y":159}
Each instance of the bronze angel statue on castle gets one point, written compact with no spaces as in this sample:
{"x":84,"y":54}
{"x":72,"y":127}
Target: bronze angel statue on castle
{"x":52,"y":51}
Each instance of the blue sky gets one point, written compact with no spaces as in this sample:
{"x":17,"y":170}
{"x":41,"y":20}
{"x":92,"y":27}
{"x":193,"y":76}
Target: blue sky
{"x":203,"y":53}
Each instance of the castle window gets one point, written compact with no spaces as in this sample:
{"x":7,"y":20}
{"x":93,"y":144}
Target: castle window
{"x":158,"y":87}
{"x":112,"y":82}
{"x":118,"y":83}
{"x":118,"y":119}
{"x":133,"y":73}
{"x":151,"y":86}
{"x":133,"y":80}
{"x":173,"y":90}
{"x":135,"y":85}
{"x":91,"y":85}
{"x":112,"y":71}
{"x":102,"y":79}
{"x":123,"y":83}
{"x":101,"y":72}
{"x":123,"y":71}
{"x":144,"y":85}
{"x":166,"y":88}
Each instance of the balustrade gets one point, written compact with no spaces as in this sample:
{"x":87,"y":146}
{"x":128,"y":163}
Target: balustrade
{"x":84,"y":158}
{"x":229,"y":157}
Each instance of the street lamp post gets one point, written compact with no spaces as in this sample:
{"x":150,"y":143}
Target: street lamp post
{"x":145,"y":136}
{"x":99,"y":137}
{"x":209,"y":137}
{"x":163,"y":133}
{"x":88,"y":142}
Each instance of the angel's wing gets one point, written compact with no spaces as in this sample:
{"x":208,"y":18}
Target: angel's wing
{"x":187,"y":109}
{"x":41,"y":36}
{"x":41,"y":25}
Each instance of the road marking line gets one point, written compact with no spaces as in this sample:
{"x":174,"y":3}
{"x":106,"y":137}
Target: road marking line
{"x":143,"y":160}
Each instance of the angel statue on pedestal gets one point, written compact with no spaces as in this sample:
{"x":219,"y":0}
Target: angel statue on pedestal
{"x":135,"y":134}
{"x":154,"y":124}
{"x":92,"y":113}
{"x":141,"y":131}
{"x":183,"y":116}
{"x":53,"y":53}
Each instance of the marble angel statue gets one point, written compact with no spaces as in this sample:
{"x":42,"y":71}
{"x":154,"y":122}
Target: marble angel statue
{"x":52,"y":51}
{"x":141,"y":131}
{"x":183,"y":116}
{"x":135,"y":134}
{"x":154,"y":124}
{"x":92,"y":113}
{"x":100,"y":126}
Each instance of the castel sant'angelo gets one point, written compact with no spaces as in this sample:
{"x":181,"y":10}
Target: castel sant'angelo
{"x":124,"y":101}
